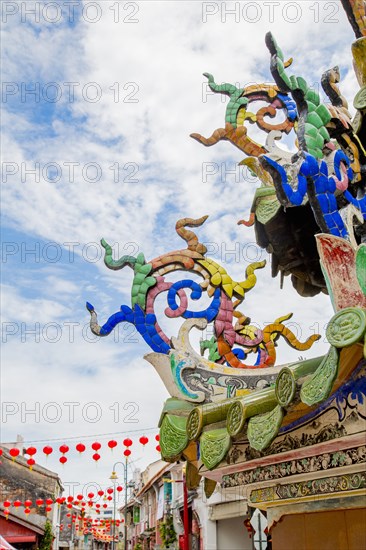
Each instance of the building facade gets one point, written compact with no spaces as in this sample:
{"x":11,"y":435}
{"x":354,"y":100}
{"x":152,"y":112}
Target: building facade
{"x":24,"y":530}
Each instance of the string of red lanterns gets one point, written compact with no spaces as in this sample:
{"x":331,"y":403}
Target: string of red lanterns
{"x":28,"y":504}
{"x":80,"y":448}
{"x":70,"y":502}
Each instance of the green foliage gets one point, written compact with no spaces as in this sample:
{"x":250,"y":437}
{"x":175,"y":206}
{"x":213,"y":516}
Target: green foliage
{"x":167,"y":531}
{"x":138,"y":546}
{"x":46,"y":540}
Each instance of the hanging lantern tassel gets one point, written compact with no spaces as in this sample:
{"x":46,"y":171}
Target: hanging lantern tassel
{"x":112,"y":444}
{"x":31,"y":462}
{"x":80,"y":447}
{"x":47,"y":451}
{"x":96,"y":457}
{"x":144,"y":440}
{"x":14,"y":452}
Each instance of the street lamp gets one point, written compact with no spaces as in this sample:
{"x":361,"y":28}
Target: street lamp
{"x":114,"y":478}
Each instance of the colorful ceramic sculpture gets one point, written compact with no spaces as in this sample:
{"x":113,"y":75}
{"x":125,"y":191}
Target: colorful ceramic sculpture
{"x":309,"y":213}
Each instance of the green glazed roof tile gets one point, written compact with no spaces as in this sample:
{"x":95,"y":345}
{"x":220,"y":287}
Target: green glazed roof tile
{"x":214,"y":445}
{"x":173,"y":437}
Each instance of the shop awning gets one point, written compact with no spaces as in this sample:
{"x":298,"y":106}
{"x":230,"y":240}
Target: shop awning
{"x":4,"y":544}
{"x":21,"y":538}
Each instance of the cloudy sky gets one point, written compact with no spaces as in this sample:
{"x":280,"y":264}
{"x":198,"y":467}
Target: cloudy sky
{"x":99,"y":100}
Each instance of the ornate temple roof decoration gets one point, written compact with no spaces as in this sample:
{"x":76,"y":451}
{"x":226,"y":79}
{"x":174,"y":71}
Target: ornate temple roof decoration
{"x":326,"y":173}
{"x":309,"y":213}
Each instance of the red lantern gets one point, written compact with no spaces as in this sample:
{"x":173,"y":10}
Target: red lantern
{"x":127,"y":452}
{"x":69,"y":506}
{"x":110,"y":491}
{"x":14,"y":453}
{"x":96,"y":446}
{"x":7,"y":503}
{"x":100,"y":493}
{"x":96,"y":457}
{"x":68,"y":515}
{"x":47,"y":450}
{"x":90,"y":495}
{"x":105,"y":505}
{"x":143,"y":440}
{"x":70,"y":498}
{"x":31,"y":462}
{"x":158,"y":448}
{"x":157,"y":437}
{"x":31,"y":451}
{"x":79,"y":497}
{"x":64,"y":449}
{"x":17,"y":503}
{"x":27,"y":503}
{"x":49,"y":501}
{"x":109,"y":498}
{"x":48,"y":509}
{"x":39,"y":501}
{"x":127,"y":442}
{"x":63,"y":459}
{"x":112,"y":444}
{"x":6,"y":512}
{"x":119,"y":488}
{"x":80,"y":447}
